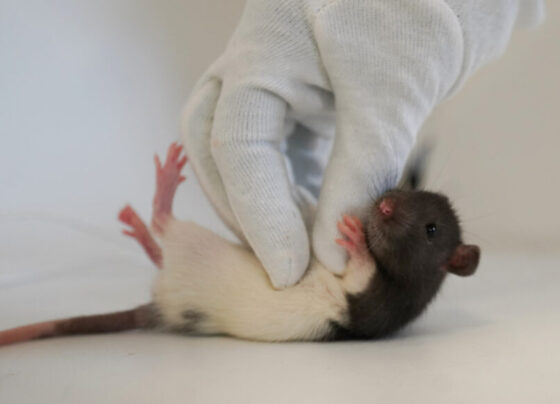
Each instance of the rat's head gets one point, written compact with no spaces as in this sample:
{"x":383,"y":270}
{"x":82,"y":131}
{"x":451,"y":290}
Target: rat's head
{"x":416,"y":234}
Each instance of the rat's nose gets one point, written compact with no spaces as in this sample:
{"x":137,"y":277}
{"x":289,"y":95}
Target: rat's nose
{"x":387,"y":207}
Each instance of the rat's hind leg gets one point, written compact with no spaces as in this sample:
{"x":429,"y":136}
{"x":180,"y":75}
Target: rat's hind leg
{"x":140,"y":232}
{"x":168,"y":178}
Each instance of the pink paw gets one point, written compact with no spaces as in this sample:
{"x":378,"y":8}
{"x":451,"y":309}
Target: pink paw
{"x":128,"y":216}
{"x":140,"y":232}
{"x":168,"y":178}
{"x":354,"y":241}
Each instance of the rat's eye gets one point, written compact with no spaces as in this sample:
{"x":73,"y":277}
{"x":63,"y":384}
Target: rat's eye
{"x":431,"y":229}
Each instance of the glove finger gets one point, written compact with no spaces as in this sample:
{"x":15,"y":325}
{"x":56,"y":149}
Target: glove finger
{"x":246,"y":138}
{"x":354,"y":177}
{"x":197,"y":118}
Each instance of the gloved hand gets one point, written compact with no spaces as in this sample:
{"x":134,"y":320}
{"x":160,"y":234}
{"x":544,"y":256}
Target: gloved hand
{"x":259,"y":124}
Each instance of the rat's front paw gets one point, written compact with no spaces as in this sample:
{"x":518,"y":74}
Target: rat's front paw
{"x":354,"y":241}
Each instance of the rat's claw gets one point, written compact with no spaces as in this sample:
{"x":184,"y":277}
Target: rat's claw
{"x":353,"y":222}
{"x":348,"y":221}
{"x":347,"y":245}
{"x":129,"y":233}
{"x":158,"y":163}
{"x":174,"y":163}
{"x":170,"y":150}
{"x":343,"y":228}
{"x":182,"y":162}
{"x":173,"y":152}
{"x":126,"y":215}
{"x":351,"y":227}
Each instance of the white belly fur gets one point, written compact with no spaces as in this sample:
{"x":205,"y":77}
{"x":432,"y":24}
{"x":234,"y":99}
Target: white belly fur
{"x":226,"y":284}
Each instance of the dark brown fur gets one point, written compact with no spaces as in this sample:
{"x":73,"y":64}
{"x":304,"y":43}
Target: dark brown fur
{"x":411,"y":265}
{"x":141,"y":317}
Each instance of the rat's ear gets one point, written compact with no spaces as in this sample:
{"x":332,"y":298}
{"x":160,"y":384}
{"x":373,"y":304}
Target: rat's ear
{"x":464,"y":260}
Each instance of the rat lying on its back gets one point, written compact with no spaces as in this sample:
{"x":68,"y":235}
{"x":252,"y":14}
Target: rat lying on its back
{"x":208,"y":285}
{"x":415,"y":239}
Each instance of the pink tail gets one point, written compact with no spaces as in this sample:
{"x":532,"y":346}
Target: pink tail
{"x":141,"y":317}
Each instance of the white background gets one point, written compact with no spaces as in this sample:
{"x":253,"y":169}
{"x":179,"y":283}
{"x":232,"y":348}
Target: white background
{"x":90,"y":89}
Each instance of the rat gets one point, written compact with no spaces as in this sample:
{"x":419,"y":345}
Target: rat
{"x":207,"y":285}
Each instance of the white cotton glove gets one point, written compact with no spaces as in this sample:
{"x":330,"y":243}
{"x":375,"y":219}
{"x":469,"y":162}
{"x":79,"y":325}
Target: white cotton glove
{"x":258,"y":125}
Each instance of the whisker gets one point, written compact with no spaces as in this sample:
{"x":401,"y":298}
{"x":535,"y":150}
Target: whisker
{"x":483,"y":216}
{"x":484,"y":239}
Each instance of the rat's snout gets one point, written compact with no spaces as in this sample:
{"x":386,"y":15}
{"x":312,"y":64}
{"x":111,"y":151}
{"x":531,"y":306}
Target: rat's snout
{"x":387,"y":207}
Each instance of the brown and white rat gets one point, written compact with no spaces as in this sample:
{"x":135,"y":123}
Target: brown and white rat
{"x":208,"y":285}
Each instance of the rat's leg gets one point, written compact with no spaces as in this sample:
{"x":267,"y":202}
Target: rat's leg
{"x":168,"y":178}
{"x":140,"y":232}
{"x":360,"y":266}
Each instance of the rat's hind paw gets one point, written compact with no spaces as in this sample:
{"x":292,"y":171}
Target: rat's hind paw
{"x":168,"y":178}
{"x":354,"y":242}
{"x":168,"y":175}
{"x":140,"y":232}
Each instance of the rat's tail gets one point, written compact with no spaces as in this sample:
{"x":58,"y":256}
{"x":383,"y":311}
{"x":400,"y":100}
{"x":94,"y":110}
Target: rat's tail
{"x":140,"y":317}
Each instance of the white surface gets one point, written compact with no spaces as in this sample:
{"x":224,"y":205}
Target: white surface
{"x":491,"y":338}
{"x":91,"y":89}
